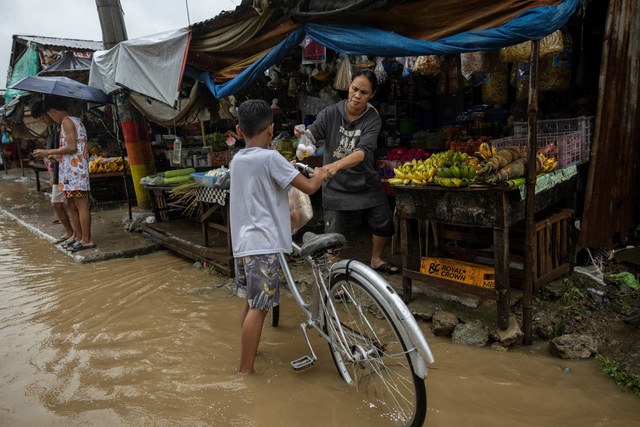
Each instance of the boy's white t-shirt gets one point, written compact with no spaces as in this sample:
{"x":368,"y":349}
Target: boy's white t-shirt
{"x":259,"y":203}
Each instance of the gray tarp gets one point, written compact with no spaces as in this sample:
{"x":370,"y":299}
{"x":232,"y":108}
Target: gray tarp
{"x":151,"y":66}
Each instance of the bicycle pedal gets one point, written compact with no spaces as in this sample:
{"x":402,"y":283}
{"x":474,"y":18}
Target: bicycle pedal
{"x":302,"y":363}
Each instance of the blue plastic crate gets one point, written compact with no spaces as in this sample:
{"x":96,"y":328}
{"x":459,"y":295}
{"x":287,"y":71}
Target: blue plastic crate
{"x":204,"y":180}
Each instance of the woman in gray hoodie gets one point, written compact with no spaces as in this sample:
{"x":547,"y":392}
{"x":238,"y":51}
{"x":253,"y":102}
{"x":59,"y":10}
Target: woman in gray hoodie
{"x":349,"y":131}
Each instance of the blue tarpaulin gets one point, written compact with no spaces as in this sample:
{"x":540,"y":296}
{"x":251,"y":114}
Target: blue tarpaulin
{"x":532,"y":24}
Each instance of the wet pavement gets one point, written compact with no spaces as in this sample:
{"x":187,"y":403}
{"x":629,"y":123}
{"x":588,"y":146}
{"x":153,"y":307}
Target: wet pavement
{"x":149,"y":340}
{"x":32,"y":209}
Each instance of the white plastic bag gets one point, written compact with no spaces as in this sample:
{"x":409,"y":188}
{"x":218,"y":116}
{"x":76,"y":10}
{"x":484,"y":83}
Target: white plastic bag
{"x":300,"y":208}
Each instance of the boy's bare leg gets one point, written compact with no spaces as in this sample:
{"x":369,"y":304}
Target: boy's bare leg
{"x":250,"y":338}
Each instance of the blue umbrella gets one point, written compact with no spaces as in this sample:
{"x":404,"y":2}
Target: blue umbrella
{"x":61,"y":86}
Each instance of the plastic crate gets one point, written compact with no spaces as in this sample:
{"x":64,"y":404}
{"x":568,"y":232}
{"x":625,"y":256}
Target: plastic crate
{"x":204,"y":180}
{"x":566,"y":148}
{"x":582,"y":124}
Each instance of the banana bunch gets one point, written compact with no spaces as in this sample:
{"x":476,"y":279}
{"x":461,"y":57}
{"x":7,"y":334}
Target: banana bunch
{"x":415,"y":172}
{"x":485,"y":151}
{"x":462,"y":171}
{"x":451,"y":182}
{"x":548,"y":163}
{"x":99,"y":165}
{"x":447,"y":169}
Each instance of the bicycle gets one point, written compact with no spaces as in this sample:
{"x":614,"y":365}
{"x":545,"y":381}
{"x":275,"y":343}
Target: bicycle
{"x":375,"y":342}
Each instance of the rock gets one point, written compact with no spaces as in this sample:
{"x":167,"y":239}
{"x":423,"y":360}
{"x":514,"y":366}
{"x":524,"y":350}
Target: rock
{"x":573,"y":346}
{"x":496,"y":346}
{"x":473,"y":333}
{"x":444,"y":323}
{"x":512,"y":335}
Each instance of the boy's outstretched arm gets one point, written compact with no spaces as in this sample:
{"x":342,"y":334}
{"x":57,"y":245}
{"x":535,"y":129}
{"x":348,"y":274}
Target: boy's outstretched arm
{"x":312,"y":184}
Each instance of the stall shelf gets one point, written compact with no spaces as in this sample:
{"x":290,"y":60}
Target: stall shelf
{"x":494,"y":208}
{"x":193,"y":237}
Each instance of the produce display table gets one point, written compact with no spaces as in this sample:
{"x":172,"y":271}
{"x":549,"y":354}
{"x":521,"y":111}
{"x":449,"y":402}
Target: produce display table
{"x":215,"y":215}
{"x":495,"y":208}
{"x":100,"y":186}
{"x":214,"y":200}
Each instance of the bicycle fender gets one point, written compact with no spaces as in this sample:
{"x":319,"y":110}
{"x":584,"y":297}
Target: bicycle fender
{"x":393,"y":304}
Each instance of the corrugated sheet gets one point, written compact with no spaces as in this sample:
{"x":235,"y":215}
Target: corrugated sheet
{"x":55,"y":41}
{"x":611,"y":201}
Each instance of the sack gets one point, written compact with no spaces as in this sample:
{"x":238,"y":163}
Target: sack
{"x":300,"y":209}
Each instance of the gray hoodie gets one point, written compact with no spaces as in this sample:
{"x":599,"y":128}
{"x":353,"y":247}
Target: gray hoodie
{"x":358,"y":187}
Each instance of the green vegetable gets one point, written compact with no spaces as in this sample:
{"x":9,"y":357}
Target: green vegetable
{"x":179,"y":179}
{"x":178,"y":172}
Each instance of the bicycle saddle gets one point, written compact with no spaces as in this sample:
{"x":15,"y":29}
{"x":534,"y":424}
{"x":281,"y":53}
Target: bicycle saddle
{"x":312,"y":243}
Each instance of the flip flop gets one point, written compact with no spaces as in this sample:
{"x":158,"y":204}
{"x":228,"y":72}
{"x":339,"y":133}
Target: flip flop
{"x":388,"y":267}
{"x":80,"y":247}
{"x":68,"y":243}
{"x":60,"y":240}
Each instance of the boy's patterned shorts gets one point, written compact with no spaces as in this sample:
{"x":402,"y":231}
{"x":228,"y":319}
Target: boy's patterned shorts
{"x":258,"y":279}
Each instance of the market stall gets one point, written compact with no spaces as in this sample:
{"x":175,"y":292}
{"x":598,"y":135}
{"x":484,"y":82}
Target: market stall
{"x":496,"y":208}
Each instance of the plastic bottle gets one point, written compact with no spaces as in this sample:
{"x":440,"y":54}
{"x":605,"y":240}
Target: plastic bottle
{"x":177,"y":151}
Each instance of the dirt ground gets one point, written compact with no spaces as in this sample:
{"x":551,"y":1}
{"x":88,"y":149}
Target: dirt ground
{"x":609,"y":311}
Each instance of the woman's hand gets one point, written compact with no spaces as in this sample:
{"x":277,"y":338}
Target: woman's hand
{"x":331,"y":169}
{"x":40,"y":153}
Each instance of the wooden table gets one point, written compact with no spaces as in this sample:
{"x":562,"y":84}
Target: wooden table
{"x":491,"y":208}
{"x":38,"y":166}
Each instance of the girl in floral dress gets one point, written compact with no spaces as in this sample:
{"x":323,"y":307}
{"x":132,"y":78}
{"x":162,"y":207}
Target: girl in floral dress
{"x":73,"y":157}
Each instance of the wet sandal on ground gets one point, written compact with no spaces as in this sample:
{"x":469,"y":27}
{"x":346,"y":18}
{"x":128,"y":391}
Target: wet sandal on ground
{"x":60,"y":240}
{"x":80,"y":247}
{"x":67,"y":244}
{"x":387,"y":267}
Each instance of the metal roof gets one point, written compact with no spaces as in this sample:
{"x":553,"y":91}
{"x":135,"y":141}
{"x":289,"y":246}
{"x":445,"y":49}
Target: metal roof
{"x":56,"y":41}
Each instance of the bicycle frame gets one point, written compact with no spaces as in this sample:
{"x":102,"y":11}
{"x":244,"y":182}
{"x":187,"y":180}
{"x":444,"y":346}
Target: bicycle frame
{"x":418,"y":348}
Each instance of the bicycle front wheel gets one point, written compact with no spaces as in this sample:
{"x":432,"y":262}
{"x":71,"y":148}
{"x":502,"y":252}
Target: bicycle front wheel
{"x":368,"y":351}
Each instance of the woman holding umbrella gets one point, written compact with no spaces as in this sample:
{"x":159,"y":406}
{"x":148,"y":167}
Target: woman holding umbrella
{"x":73,"y":157}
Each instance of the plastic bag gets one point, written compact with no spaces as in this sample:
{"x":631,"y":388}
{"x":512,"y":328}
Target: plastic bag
{"x":300,"y":209}
{"x":549,"y":46}
{"x":379,"y":70}
{"x":6,"y":137}
{"x":474,"y":62}
{"x":427,"y":65}
{"x":557,"y":69}
{"x":343,"y":75}
{"x":495,"y":88}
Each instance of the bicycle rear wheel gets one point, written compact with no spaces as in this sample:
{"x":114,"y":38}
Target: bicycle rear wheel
{"x":368,"y":351}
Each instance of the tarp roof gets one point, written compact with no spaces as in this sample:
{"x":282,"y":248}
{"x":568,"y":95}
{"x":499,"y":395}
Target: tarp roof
{"x":68,"y":63}
{"x":151,"y":66}
{"x":418,"y":27}
{"x":74,"y":44}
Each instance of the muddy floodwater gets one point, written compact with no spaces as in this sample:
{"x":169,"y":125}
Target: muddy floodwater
{"x":152,"y":341}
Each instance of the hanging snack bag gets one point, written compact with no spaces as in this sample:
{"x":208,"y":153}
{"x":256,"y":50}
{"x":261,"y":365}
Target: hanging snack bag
{"x":557,"y":69}
{"x":549,"y":46}
{"x":495,"y":88}
{"x":427,"y":65}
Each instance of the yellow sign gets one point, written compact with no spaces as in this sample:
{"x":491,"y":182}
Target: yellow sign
{"x":459,"y":271}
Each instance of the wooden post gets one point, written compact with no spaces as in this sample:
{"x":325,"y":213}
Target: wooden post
{"x":530,"y":232}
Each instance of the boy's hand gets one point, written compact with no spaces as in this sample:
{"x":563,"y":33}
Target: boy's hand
{"x":321,"y":172}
